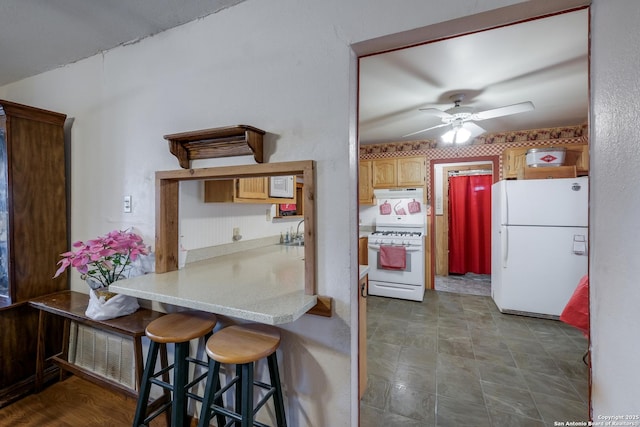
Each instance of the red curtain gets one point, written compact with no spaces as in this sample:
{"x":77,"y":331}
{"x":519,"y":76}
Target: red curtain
{"x":470,"y":224}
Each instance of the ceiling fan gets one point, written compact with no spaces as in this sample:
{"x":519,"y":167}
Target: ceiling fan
{"x":460,"y":119}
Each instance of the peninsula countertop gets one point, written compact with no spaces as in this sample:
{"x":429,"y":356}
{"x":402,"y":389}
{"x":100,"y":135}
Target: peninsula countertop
{"x":264,"y":285}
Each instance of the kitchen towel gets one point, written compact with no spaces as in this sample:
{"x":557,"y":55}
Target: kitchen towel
{"x":393,"y":257}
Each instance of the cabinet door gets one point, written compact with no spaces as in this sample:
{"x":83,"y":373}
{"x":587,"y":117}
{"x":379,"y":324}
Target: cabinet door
{"x":37,"y":203}
{"x":363,"y":251}
{"x":384,"y":173}
{"x":411,"y":171}
{"x":365,"y":182}
{"x":513,"y":159}
{"x":362,"y":334}
{"x":253,"y":188}
{"x":578,"y":155}
{"x":246,"y":190}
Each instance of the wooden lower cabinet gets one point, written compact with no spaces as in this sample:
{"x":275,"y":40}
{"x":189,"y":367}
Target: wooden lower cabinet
{"x":363,"y":254}
{"x":363,"y":285}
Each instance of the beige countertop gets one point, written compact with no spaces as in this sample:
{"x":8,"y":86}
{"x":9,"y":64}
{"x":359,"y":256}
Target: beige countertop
{"x":263,"y":285}
{"x":364,"y":270}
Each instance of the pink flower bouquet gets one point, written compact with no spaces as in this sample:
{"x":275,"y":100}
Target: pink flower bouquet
{"x":104,"y":260}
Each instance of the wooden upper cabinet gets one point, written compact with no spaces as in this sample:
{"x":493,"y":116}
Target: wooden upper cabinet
{"x":399,"y":172}
{"x":411,"y":171}
{"x":242,"y":190}
{"x":384,"y":173}
{"x":253,"y":188}
{"x":365,"y":182}
{"x":514,"y":160}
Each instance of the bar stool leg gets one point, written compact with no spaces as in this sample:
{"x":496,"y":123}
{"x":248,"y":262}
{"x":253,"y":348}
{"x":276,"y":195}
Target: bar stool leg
{"x":222,"y":420}
{"x":238,"y":392}
{"x":179,"y":409}
{"x":277,"y":396}
{"x":246,"y":390}
{"x":145,"y":387}
{"x":213,"y":386}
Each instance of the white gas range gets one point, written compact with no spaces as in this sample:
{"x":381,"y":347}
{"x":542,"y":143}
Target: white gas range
{"x":396,"y":248}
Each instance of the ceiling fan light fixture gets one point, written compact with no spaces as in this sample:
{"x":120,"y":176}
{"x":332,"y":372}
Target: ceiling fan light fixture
{"x":457,"y":134}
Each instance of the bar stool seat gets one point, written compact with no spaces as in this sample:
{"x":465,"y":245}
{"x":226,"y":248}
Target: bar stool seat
{"x":243,"y":345}
{"x":178,"y":329}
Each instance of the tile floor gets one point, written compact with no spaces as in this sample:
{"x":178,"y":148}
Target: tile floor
{"x":470,"y":283}
{"x":455,"y":360}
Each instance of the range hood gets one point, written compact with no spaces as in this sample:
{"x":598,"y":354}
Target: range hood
{"x":399,"y":193}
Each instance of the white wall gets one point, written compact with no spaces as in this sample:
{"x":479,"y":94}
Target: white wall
{"x":615,"y":204}
{"x":287,"y":67}
{"x":212,"y":224}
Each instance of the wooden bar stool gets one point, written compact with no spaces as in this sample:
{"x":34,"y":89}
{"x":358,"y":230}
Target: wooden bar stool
{"x":178,"y":329}
{"x":242,"y":345}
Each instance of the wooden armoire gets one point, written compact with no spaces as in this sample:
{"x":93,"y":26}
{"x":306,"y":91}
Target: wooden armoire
{"x":33,"y":234}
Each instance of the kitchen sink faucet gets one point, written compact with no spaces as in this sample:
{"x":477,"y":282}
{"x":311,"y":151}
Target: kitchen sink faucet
{"x":298,"y":229}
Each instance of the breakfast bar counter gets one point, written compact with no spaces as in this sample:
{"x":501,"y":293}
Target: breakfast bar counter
{"x":264,"y":285}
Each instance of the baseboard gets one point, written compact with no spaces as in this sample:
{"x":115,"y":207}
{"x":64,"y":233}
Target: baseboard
{"x":26,"y":387}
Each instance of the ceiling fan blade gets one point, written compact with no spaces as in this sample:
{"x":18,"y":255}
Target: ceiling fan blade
{"x":424,"y":130}
{"x":436,"y":112}
{"x":503,"y":111}
{"x":474,"y":128}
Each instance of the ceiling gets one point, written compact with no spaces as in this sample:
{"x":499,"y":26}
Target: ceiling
{"x":40,"y":35}
{"x":544,"y":61}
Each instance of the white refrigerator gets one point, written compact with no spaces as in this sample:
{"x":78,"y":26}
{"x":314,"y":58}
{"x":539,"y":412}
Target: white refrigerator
{"x":539,"y":239}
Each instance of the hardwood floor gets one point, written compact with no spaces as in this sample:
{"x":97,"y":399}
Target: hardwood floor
{"x":73,"y":402}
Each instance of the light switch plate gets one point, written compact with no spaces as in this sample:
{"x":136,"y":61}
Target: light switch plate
{"x":126,"y":204}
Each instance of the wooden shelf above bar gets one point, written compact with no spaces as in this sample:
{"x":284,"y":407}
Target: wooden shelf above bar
{"x":226,"y":141}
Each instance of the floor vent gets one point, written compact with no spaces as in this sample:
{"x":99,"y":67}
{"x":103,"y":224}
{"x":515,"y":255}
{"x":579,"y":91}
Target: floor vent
{"x":102,"y":352}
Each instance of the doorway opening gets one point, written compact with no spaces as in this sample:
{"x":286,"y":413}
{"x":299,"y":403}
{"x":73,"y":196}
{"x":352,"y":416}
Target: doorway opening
{"x":460,"y":225}
{"x":380,"y":337}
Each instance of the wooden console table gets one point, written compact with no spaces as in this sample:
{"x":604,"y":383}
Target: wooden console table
{"x":71,"y":306}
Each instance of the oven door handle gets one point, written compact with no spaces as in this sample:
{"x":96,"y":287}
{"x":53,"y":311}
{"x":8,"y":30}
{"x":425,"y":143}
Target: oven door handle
{"x":409,"y":248}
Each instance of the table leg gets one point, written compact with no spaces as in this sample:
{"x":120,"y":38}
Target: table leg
{"x":66,"y":330}
{"x":40,"y":349}
{"x":137,"y":353}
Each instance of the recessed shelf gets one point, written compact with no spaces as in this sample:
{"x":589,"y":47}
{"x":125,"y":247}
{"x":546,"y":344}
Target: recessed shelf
{"x":226,"y":141}
{"x":288,"y":216}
